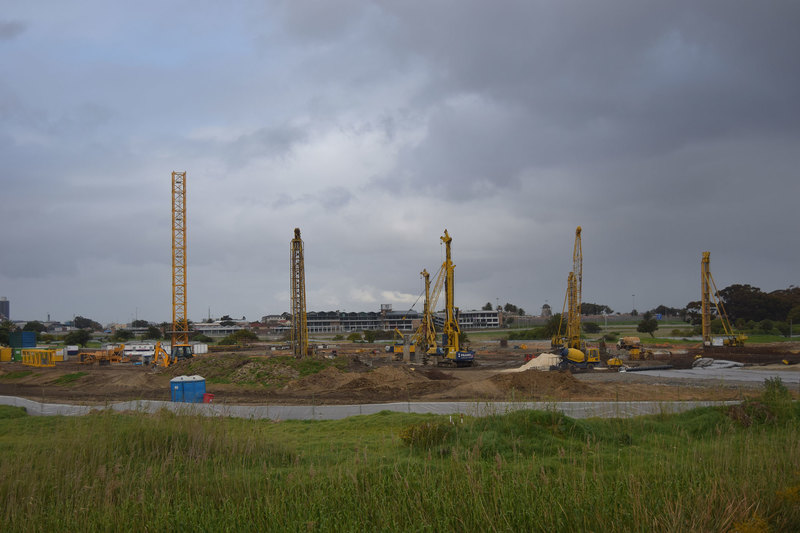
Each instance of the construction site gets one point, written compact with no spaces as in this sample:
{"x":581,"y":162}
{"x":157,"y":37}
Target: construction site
{"x":432,"y":363}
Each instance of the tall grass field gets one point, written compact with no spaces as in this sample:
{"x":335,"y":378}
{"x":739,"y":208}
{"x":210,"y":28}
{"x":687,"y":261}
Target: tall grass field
{"x":711,"y":469}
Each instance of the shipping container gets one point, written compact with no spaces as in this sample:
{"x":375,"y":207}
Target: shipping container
{"x":22,"y":339}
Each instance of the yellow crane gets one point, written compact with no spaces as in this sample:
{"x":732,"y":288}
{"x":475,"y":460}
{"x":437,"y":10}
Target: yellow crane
{"x":181,"y":349}
{"x":707,"y":299}
{"x":298,"y":297}
{"x":450,"y":351}
{"x":573,"y":349}
{"x":426,"y":333}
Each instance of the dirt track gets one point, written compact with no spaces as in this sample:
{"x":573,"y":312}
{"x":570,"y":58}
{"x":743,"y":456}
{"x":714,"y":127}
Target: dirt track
{"x":366,"y":377}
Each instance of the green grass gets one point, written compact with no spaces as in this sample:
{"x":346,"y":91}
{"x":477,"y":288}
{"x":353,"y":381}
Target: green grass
{"x":9,"y":411}
{"x":269,"y":372}
{"x":66,"y":379}
{"x":710,"y":469}
{"x":17,"y":375}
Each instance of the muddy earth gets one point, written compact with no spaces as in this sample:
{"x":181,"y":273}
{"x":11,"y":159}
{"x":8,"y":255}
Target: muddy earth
{"x":260,"y":375}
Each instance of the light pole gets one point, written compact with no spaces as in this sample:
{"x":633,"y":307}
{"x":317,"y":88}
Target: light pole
{"x":633,"y":301}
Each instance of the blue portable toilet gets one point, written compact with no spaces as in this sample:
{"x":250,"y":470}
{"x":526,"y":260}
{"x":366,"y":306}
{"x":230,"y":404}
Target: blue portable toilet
{"x":193,"y":389}
{"x":176,"y":388}
{"x":187,"y":389}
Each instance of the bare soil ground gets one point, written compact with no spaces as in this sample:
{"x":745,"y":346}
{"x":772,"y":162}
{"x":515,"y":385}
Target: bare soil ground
{"x":359,"y":375}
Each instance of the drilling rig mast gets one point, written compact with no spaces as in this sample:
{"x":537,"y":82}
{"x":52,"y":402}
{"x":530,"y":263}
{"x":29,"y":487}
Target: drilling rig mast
{"x":180,"y":325}
{"x":574,"y":313}
{"x":298,"y":297}
{"x":451,"y":351}
{"x":425,"y":337}
{"x":572,"y":301}
{"x":707,"y":298}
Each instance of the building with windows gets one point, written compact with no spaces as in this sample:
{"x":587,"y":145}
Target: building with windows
{"x":5,"y":309}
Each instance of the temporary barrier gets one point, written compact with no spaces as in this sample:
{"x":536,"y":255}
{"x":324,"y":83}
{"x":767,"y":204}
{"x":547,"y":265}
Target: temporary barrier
{"x":5,"y":355}
{"x":38,"y":358}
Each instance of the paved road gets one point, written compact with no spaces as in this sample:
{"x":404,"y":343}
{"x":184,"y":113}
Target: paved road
{"x":333,"y":412}
{"x":727,"y":374}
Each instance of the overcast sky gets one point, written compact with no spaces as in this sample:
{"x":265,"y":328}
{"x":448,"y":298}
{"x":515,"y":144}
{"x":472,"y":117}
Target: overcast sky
{"x":662,"y":128}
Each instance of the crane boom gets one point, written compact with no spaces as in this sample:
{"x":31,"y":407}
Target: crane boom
{"x":298,"y":296}
{"x":180,"y":325}
{"x":707,"y":298}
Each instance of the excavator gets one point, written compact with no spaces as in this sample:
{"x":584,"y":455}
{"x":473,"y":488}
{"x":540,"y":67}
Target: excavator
{"x":161,"y":357}
{"x":572,"y":349}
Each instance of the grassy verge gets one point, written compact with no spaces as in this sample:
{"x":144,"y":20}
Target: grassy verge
{"x":17,"y":375}
{"x":712,"y":469}
{"x":67,"y":379}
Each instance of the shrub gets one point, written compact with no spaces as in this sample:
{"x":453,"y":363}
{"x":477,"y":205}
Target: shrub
{"x":591,"y":327}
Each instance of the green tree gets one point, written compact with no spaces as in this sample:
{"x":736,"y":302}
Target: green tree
{"x":369,"y":336}
{"x":487,"y":307}
{"x":794,"y":316}
{"x":6,"y":327}
{"x":140,"y":324}
{"x":81,"y":337}
{"x":783,"y":327}
{"x":588,"y":308}
{"x":121,"y":335}
{"x":243,"y":336}
{"x":648,"y":324}
{"x":551,"y":326}
{"x":354,"y":337}
{"x":86,"y":323}
{"x":591,"y":327}
{"x":35,"y":325}
{"x":153,"y":333}
{"x":226,"y":321}
{"x":521,"y":312}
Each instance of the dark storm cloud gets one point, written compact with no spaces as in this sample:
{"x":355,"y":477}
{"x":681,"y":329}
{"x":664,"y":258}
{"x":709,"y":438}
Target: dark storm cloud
{"x":664,"y":129}
{"x":9,"y":29}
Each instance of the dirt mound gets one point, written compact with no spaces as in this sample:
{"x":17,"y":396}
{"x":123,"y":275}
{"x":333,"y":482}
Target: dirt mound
{"x":328,"y":379}
{"x":436,"y":374}
{"x":535,"y":383}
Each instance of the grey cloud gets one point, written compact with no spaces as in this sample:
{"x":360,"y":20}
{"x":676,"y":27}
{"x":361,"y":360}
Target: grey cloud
{"x":9,"y":29}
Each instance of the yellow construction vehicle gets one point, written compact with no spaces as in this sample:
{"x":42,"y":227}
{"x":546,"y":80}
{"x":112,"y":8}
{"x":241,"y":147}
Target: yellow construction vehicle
{"x":400,"y":340}
{"x":573,"y":351}
{"x":161,"y":357}
{"x":707,"y":298}
{"x":450,"y":353}
{"x":104,"y":357}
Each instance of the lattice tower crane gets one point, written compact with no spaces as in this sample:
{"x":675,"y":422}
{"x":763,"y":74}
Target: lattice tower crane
{"x":298,"y":297}
{"x":180,"y":325}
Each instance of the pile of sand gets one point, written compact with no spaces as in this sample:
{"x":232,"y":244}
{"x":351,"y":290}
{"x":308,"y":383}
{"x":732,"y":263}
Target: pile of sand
{"x":542,"y":362}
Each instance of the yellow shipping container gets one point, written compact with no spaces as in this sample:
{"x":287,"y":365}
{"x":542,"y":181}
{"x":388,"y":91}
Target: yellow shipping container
{"x":5,"y":355}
